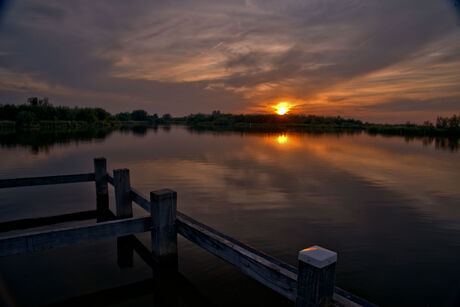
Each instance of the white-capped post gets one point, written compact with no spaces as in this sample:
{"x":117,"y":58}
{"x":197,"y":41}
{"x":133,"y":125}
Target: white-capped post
{"x":164,"y":234}
{"x":315,"y":281}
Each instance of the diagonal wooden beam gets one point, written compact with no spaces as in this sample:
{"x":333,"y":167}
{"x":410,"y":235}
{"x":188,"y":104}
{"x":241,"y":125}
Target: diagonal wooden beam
{"x":24,"y":182}
{"x":42,"y":240}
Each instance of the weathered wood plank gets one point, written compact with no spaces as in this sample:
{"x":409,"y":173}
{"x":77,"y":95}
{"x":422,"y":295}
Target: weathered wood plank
{"x":140,"y":199}
{"x":37,"y":241}
{"x":263,"y":268}
{"x":23,"y":182}
{"x":48,"y":220}
{"x":271,"y":272}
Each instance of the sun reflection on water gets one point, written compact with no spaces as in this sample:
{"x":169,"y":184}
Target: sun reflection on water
{"x":282,"y":139}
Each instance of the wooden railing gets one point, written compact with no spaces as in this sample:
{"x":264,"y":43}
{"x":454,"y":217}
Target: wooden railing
{"x":311,"y":284}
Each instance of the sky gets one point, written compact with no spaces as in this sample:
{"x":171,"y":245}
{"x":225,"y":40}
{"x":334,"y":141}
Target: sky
{"x":381,"y":61}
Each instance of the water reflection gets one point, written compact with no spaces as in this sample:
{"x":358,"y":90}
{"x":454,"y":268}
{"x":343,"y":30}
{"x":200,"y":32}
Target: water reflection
{"x":378,"y":201}
{"x":282,"y":139}
{"x":42,"y":141}
{"x":410,"y":171}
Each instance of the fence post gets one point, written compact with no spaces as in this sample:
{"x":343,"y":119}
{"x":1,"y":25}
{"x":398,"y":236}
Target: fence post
{"x":315,"y":281}
{"x":164,"y":234}
{"x":122,"y":186}
{"x":124,"y":208}
{"x":102,"y":191}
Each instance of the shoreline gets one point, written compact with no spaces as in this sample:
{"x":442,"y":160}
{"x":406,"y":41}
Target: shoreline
{"x":372,"y":129}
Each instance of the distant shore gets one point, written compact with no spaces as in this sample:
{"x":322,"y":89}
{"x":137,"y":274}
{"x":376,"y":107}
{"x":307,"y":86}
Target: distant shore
{"x":39,"y":114}
{"x":385,"y":129}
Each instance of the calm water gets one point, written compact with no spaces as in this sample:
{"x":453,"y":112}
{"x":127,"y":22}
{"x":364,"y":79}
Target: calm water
{"x":389,"y":207}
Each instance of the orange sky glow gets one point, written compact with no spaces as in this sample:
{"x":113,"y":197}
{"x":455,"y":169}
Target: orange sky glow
{"x":390,"y":64}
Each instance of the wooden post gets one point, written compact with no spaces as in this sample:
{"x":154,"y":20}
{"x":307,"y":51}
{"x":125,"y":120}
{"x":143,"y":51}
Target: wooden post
{"x":102,"y":191}
{"x":164,"y":234}
{"x":164,"y":246}
{"x":122,"y":186}
{"x":124,"y":207}
{"x":315,"y":281}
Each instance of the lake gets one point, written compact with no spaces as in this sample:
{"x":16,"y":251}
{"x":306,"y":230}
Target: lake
{"x":389,"y":206}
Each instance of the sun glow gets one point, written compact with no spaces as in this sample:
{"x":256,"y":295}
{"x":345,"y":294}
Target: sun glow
{"x":282,"y":107}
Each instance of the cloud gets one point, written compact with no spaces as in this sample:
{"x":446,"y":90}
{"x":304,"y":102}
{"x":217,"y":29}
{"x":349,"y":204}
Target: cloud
{"x":186,"y":56}
{"x":432,"y":105}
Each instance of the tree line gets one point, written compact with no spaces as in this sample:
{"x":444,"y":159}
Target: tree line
{"x":448,"y":126}
{"x":36,"y":110}
{"x":40,"y":110}
{"x":225,"y":119}
{"x":221,"y":119}
{"x":452,"y":122}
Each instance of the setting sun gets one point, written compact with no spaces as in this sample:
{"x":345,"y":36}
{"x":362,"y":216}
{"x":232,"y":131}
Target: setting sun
{"x":282,"y":108}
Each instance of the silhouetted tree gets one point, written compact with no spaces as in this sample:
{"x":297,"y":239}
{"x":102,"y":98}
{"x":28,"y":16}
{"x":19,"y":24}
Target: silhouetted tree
{"x":139,"y":115}
{"x":33,"y":101}
{"x":124,"y":116}
{"x":86,"y":114}
{"x":101,"y":114}
{"x":454,"y":122}
{"x":428,"y":124}
{"x":44,"y":102}
{"x":441,"y":122}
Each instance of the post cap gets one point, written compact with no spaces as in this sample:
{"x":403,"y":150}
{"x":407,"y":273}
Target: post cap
{"x":163,"y":194}
{"x":317,"y":256}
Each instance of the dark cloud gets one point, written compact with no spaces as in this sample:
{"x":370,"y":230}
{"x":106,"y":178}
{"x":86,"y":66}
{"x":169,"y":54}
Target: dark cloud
{"x":450,"y":104}
{"x":456,"y":5}
{"x":38,"y":11}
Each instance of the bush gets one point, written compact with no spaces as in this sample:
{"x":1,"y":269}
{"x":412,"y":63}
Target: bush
{"x":102,"y":114}
{"x":124,"y":116}
{"x":25,"y":118}
{"x":86,"y":114}
{"x":139,"y":115}
{"x":166,"y":117}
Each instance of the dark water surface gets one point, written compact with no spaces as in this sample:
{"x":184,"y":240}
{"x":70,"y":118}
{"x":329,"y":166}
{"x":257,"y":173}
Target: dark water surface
{"x":389,"y":207}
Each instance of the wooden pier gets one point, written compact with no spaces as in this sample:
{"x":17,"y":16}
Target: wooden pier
{"x":311,"y":284}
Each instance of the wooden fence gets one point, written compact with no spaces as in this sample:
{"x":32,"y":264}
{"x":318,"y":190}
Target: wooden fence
{"x":311,"y":284}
